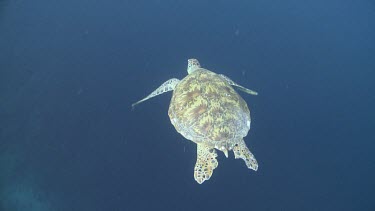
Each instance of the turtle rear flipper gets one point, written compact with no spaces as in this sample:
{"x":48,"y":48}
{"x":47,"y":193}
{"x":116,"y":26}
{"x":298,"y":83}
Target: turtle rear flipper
{"x":165,"y":87}
{"x":241,"y":151}
{"x":206,"y":163}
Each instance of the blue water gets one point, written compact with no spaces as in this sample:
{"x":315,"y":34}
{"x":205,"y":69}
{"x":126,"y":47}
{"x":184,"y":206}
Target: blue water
{"x":70,"y":70}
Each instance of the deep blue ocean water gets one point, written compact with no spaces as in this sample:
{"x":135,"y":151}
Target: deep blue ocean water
{"x":70,"y":70}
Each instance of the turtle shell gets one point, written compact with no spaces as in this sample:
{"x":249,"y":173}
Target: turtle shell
{"x":205,"y":109}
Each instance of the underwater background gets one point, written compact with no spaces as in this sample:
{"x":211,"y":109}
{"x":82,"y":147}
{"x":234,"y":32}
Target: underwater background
{"x":70,"y":70}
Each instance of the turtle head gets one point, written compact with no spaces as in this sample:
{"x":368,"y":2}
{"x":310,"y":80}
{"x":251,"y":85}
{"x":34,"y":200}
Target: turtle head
{"x":193,"y":65}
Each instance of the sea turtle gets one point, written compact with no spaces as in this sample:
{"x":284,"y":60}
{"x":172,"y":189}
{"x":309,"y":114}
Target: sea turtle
{"x":206,"y":110}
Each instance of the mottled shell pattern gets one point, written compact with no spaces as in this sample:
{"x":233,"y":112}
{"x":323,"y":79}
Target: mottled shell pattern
{"x":206,"y":109}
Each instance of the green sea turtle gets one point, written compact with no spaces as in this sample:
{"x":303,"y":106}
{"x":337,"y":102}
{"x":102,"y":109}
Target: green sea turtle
{"x":206,"y":110}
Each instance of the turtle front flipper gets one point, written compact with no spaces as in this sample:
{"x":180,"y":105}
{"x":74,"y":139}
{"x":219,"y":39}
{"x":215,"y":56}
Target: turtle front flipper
{"x":241,"y":151}
{"x":232,"y":83}
{"x":165,"y":87}
{"x":206,"y":163}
